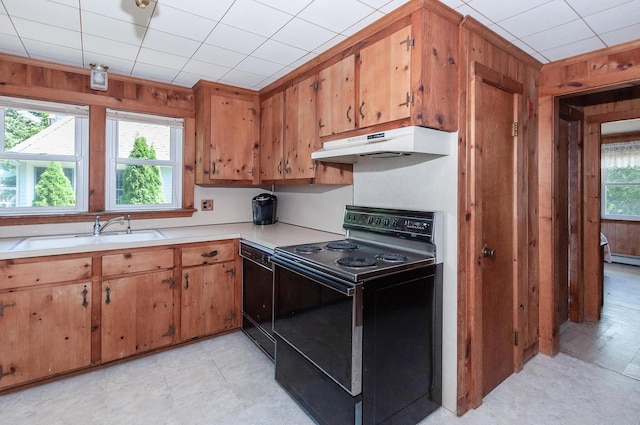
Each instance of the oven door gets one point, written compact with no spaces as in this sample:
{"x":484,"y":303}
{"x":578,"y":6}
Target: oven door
{"x":321,"y":318}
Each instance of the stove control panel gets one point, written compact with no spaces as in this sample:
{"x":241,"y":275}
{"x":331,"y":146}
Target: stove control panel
{"x":409,"y":223}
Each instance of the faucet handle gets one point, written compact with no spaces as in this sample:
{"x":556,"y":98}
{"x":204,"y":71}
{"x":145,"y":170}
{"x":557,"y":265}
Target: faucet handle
{"x":128,"y":223}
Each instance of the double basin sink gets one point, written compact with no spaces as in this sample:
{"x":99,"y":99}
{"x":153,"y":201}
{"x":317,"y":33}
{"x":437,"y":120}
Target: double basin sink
{"x":71,"y":241}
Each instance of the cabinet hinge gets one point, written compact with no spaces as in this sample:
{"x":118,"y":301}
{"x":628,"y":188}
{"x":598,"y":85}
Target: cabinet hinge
{"x":515,"y":129}
{"x":515,"y":338}
{"x":233,"y":272}
{"x":12,"y":370}
{"x":409,"y":100}
{"x":3,"y":306}
{"x":411,"y":42}
{"x":171,"y":331}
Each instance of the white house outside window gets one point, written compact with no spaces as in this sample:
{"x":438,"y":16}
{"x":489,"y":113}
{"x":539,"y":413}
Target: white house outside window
{"x":144,"y":157}
{"x":621,"y":180}
{"x":43,"y":157}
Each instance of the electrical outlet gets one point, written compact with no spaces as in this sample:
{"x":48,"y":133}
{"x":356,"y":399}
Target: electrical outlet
{"x":206,"y":205}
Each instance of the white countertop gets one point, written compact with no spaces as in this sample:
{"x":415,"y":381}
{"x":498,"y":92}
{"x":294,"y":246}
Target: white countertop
{"x":270,"y":236}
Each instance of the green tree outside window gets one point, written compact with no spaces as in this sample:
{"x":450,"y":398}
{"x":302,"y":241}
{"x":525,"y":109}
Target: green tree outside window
{"x":54,"y":188}
{"x":142,"y":184}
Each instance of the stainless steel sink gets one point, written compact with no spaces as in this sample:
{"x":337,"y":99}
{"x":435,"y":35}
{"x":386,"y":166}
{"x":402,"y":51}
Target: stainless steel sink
{"x":70,"y":241}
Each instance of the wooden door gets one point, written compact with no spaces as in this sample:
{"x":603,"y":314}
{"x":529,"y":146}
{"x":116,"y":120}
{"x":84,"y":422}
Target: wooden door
{"x":208,"y":300}
{"x":494,"y":118}
{"x":44,"y":331}
{"x":385,"y":79}
{"x":137,"y":314}
{"x":336,"y":98}
{"x":234,"y":138}
{"x":271,"y":137}
{"x":300,"y":135}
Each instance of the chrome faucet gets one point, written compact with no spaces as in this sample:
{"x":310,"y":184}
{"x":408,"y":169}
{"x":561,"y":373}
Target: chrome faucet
{"x":98,"y":229}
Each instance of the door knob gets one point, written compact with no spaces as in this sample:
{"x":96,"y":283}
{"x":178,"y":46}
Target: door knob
{"x":486,"y":252}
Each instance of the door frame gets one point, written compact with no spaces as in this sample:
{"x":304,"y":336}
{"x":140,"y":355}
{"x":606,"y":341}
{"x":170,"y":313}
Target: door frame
{"x":470,"y":281}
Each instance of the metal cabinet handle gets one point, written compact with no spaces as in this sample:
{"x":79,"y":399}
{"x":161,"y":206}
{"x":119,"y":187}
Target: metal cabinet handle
{"x":348,"y":111}
{"x":486,"y":252}
{"x":107,"y":290}
{"x":210,"y":254}
{"x":84,"y":296}
{"x":186,"y":281}
{"x":362,"y":113}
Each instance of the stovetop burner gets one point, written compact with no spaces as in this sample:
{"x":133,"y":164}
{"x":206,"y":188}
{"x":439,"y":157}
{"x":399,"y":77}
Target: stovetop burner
{"x":356,"y":261}
{"x":342,"y":245}
{"x":307,"y":249}
{"x":393,"y":257}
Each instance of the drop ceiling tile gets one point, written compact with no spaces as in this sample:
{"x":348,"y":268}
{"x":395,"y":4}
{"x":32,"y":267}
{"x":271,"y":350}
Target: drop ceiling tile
{"x":453,"y":3}
{"x":497,"y":10}
{"x":302,"y":34}
{"x":621,"y":35}
{"x":234,"y":39}
{"x":614,"y":18}
{"x":292,"y":7}
{"x":54,"y":35}
{"x":12,"y":45}
{"x":153,"y":72}
{"x":45,"y":12}
{"x":161,"y":59}
{"x":113,"y":48}
{"x":235,"y":77}
{"x":306,"y":58}
{"x":187,"y":79}
{"x":102,"y":26}
{"x":329,"y":44}
{"x":6,"y":27}
{"x":52,"y":52}
{"x":392,"y":5}
{"x":177,"y":22}
{"x":467,"y":10}
{"x":71,"y":3}
{"x":214,"y":10}
{"x":211,"y":71}
{"x":563,"y":34}
{"x":335,"y":15}
{"x":218,"y":55}
{"x":502,"y":32}
{"x":589,"y":7}
{"x":255,"y":17}
{"x":278,"y":52}
{"x":523,"y":46}
{"x":573,"y":49}
{"x":368,"y":20}
{"x":539,"y":19}
{"x":376,"y":4}
{"x":259,"y":66}
{"x":124,"y":10}
{"x":169,"y":43}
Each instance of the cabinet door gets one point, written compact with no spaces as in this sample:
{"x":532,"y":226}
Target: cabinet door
{"x":234,"y":138}
{"x":43,"y":332}
{"x":271,"y":134}
{"x":137,"y":314}
{"x":336,"y":98}
{"x":385,"y":79}
{"x":300,"y":135}
{"x":208,"y":300}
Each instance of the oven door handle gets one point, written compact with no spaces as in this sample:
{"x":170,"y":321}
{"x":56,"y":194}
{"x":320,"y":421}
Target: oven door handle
{"x":327,"y":281}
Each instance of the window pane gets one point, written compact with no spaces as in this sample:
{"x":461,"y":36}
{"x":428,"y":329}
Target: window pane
{"x":622,"y":200}
{"x":143,"y":184}
{"x":623,"y":175}
{"x":156,"y":136}
{"x":40,"y":154}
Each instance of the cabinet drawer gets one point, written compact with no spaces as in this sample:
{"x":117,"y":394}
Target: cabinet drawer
{"x":20,"y":273}
{"x":211,"y":253}
{"x":136,"y":261}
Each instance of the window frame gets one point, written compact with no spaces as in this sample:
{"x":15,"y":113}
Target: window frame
{"x":80,"y":157}
{"x":177,"y":135}
{"x":604,"y":184}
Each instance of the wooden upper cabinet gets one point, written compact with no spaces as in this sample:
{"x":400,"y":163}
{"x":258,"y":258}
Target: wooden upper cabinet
{"x":385,"y":79}
{"x":227,"y":134}
{"x":271,"y":137}
{"x":336,"y":97}
{"x":300,"y":135}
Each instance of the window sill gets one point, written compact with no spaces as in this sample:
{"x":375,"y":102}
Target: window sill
{"x":15,"y":220}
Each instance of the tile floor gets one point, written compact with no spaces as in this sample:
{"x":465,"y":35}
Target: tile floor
{"x":227,"y":381}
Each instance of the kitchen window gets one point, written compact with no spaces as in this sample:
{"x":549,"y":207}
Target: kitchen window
{"x":143,"y":162}
{"x":43,"y":157}
{"x":621,"y":180}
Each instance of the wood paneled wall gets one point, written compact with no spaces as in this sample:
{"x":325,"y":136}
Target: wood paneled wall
{"x":482,"y":49}
{"x":623,"y":236}
{"x":596,"y":71}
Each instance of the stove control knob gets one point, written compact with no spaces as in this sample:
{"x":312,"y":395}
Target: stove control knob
{"x":386,"y":222}
{"x":378,"y":220}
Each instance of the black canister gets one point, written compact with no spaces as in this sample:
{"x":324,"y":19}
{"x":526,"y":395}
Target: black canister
{"x":265,"y":208}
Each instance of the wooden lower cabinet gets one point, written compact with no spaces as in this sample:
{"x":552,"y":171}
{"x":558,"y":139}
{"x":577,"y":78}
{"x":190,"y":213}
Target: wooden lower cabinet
{"x":44,"y":331}
{"x":208,"y":300}
{"x":137,"y":314}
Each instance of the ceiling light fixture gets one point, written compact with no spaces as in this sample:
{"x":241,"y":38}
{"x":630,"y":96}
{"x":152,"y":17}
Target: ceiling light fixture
{"x":99,"y":79}
{"x":142,"y":3}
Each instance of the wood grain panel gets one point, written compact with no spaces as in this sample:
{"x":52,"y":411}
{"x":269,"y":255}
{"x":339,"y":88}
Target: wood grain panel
{"x":29,"y":272}
{"x":137,"y":261}
{"x":209,"y":253}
